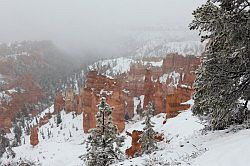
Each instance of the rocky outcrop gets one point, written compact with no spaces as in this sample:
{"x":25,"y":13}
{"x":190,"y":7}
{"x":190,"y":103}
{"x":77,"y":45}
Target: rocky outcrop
{"x":174,"y":101}
{"x":135,"y":145}
{"x":21,"y":93}
{"x":96,"y":86}
{"x":34,"y":136}
{"x":184,"y":65}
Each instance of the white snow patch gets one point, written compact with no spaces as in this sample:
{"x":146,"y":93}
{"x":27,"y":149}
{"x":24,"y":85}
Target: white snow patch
{"x":112,"y":67}
{"x":153,"y":64}
{"x":5,"y":97}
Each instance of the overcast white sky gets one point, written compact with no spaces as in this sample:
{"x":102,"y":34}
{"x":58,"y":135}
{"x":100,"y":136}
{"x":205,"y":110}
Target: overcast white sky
{"x":85,"y":22}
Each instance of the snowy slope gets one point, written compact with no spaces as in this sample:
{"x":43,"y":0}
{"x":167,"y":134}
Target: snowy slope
{"x":226,"y":149}
{"x":185,"y":144}
{"x":60,"y":148}
{"x":190,"y":146}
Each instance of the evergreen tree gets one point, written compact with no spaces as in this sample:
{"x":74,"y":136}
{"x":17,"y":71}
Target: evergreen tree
{"x":17,"y":134}
{"x":4,"y":142}
{"x":148,"y":143}
{"x":27,"y":129}
{"x":5,"y":145}
{"x":58,"y":119}
{"x":103,"y":142}
{"x":224,"y":76}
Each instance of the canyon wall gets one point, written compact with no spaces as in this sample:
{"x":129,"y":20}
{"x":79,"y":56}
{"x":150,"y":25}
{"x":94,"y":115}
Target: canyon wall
{"x":30,"y":73}
{"x":168,"y":86}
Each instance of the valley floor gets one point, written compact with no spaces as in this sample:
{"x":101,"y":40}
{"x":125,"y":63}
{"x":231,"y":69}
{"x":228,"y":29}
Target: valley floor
{"x":185,"y":144}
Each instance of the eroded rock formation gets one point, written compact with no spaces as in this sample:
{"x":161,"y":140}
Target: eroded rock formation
{"x":168,"y":86}
{"x":135,"y":145}
{"x":34,"y":136}
{"x":18,"y":94}
{"x":96,"y":86}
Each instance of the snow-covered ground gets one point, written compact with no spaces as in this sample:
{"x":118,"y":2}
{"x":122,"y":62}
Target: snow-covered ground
{"x":62,"y":147}
{"x":185,"y":144}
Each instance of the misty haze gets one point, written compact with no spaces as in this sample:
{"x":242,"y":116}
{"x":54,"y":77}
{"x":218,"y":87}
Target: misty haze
{"x":124,"y":82}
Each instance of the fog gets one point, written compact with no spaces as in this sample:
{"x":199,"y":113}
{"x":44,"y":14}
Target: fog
{"x":89,"y":26}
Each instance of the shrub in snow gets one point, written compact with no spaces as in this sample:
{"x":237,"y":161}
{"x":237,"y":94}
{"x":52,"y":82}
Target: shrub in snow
{"x":154,"y":160}
{"x":20,"y":162}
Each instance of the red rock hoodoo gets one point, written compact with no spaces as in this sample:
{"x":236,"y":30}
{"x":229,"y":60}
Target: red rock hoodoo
{"x":34,"y":136}
{"x":135,"y":145}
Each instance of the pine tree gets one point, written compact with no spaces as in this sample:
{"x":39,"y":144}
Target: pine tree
{"x":58,"y":119}
{"x":17,"y":134}
{"x":148,"y":143}
{"x":224,"y":76}
{"x":27,"y":129}
{"x":100,"y":145}
{"x":4,"y":142}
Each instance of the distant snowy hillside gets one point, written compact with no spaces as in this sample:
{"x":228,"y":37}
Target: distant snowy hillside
{"x":185,"y":144}
{"x":162,"y":48}
{"x":159,"y":41}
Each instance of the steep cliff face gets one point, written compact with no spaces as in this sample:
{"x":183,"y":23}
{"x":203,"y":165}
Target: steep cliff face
{"x":19,"y":95}
{"x":89,"y":108}
{"x":118,"y":105}
{"x":175,"y":101}
{"x":95,"y":87}
{"x":183,"y":65}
